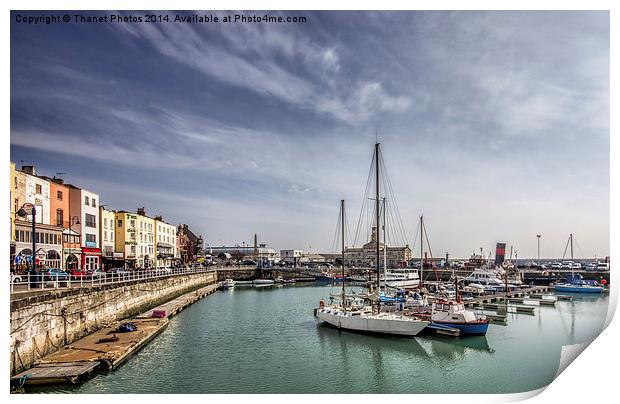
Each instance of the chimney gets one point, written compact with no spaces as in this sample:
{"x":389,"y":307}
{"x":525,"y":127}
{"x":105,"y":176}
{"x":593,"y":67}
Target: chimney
{"x":500,"y":253}
{"x":141,"y":211}
{"x":29,"y":170}
{"x":159,"y":218}
{"x":58,"y":180}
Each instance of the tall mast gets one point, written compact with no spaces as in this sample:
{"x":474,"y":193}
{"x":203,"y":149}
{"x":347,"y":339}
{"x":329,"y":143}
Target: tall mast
{"x":377,"y":207}
{"x":421,"y":249}
{"x":572,"y":266}
{"x":342,"y":224}
{"x":384,"y":248}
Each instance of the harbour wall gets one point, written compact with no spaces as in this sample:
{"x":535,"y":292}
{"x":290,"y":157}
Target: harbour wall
{"x":42,"y":323}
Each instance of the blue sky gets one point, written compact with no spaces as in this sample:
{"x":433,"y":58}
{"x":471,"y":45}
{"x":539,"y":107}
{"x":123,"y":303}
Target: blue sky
{"x":495,"y":125}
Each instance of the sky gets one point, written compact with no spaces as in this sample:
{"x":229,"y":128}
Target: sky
{"x":493,"y":125}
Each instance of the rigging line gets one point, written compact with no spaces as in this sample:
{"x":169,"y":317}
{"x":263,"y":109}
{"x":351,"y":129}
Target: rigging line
{"x":336,"y":234}
{"x":579,"y":248}
{"x":415,"y":239}
{"x":390,"y":188}
{"x":565,"y":248}
{"x":365,"y":196}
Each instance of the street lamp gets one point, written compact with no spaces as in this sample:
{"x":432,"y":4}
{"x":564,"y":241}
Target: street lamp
{"x":23,"y":213}
{"x":538,"y":237}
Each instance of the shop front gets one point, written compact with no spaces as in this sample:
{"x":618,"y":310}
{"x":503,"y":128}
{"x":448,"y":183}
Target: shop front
{"x":91,"y":258}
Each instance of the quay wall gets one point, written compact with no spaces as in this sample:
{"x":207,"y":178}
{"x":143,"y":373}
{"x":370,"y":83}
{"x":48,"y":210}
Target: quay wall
{"x":45,"y":322}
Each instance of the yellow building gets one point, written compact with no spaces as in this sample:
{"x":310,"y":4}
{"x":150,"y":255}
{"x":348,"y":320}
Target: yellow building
{"x":125,"y":236}
{"x":165,"y":242}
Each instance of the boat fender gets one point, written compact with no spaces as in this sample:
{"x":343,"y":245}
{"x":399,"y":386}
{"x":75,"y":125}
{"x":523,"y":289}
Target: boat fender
{"x":321,"y":304}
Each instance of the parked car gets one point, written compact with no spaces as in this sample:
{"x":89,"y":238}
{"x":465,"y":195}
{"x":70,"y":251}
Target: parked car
{"x":77,"y":273}
{"x":98,"y":273}
{"x":53,"y":274}
{"x":602,"y":266}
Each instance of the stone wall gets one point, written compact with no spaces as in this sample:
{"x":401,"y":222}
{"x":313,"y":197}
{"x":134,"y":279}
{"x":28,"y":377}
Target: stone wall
{"x":42,"y":323}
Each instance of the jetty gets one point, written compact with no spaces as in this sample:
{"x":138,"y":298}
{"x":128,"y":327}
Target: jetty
{"x":107,"y":348}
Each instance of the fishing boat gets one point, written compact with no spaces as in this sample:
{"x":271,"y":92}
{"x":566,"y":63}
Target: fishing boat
{"x":576,"y":283}
{"x":365,"y":315}
{"x":228,"y":283}
{"x":453,"y":314}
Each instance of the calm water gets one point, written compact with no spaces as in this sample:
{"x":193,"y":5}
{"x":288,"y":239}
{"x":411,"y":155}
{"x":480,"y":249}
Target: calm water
{"x":266,"y":340}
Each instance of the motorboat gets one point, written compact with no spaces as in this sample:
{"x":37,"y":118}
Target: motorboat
{"x":263,"y":281}
{"x":400,"y":278}
{"x":484,"y":277}
{"x":453,"y":314}
{"x":228,"y":283}
{"x":474,"y":289}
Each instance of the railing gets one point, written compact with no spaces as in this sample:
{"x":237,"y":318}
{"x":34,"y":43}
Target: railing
{"x":41,"y":281}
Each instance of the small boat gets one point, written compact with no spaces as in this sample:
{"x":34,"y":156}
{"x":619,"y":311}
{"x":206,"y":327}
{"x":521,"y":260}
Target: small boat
{"x":278,"y":279}
{"x":474,"y":289}
{"x":263,"y":281}
{"x":244,"y":283}
{"x":228,"y":283}
{"x":288,"y":281}
{"x":453,"y":314}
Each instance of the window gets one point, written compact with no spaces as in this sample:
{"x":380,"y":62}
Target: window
{"x":120,"y":223}
{"x":38,"y":189}
{"x":105,"y":236}
{"x":59,"y":195}
{"x":59,"y":217}
{"x":94,"y":204}
{"x":90,"y":220}
{"x":105,"y":222}
{"x":132,"y":223}
{"x":47,"y":238}
{"x":91,"y":238}
{"x":86,"y":200}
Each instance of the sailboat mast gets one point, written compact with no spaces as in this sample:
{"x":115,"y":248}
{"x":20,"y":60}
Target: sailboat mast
{"x":342,"y":224}
{"x":384,"y":249}
{"x":572,"y":266}
{"x":377,"y":206}
{"x":421,"y":249}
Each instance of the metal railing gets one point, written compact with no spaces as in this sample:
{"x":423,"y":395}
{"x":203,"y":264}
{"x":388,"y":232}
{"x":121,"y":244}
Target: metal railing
{"x":43,"y":281}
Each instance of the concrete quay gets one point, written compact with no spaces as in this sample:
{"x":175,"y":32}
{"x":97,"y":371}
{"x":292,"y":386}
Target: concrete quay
{"x":107,"y":348}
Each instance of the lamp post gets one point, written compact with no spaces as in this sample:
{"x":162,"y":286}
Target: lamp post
{"x":23,"y":213}
{"x":538,"y":237}
{"x":72,"y":220}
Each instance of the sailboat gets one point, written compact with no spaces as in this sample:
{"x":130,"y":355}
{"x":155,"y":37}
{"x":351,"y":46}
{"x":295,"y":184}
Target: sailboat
{"x":353,"y":313}
{"x":576,"y":283}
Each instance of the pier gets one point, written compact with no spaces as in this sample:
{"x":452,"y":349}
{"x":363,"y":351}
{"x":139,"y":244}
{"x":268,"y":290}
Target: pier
{"x":106,"y":348}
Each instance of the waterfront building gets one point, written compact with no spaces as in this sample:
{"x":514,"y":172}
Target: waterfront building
{"x":125,"y":237}
{"x":145,"y":237}
{"x":166,"y":242}
{"x":85,"y":205}
{"x":109,"y":256}
{"x":36,"y":192}
{"x":48,"y":240}
{"x":365,"y":256}
{"x":189,"y":244}
{"x":291,"y":256}
{"x":13,"y":210}
{"x":59,"y":202}
{"x":71,"y":249}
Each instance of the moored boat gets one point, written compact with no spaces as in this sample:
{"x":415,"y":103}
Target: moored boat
{"x":453,"y":314}
{"x":263,"y":281}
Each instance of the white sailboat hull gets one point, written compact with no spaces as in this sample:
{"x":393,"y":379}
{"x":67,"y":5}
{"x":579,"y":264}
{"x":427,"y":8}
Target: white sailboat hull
{"x":384,"y":323}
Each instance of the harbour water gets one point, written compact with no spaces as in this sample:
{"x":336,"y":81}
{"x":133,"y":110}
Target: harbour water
{"x":266,"y":340}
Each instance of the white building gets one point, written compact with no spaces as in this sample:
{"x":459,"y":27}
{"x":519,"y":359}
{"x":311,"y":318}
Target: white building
{"x":37,"y":193}
{"x":85,"y":205}
{"x":291,"y":256}
{"x":145,"y":240}
{"x":106,"y":232}
{"x":166,"y":242}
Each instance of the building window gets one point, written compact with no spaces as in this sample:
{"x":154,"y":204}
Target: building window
{"x":94,"y":204}
{"x":90,"y":220}
{"x":105,"y":222}
{"x":86,"y":200}
{"x":120,"y":223}
{"x":132,"y":223}
{"x":59,"y":195}
{"x":38,"y":189}
{"x":91,"y":238}
{"x":59,"y":217}
{"x":105,"y":236}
